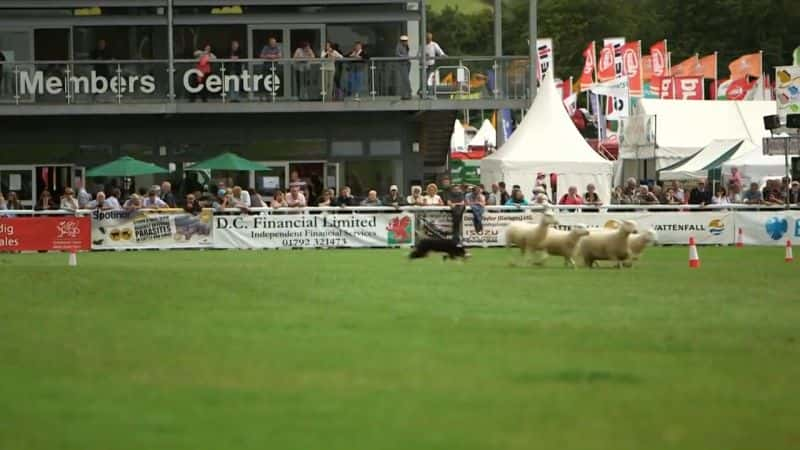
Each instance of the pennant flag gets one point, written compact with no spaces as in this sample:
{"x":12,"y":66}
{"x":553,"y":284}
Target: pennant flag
{"x":658,"y":54}
{"x":617,"y":87}
{"x":632,"y":66}
{"x":687,"y":67}
{"x":796,"y":56}
{"x":616,"y":43}
{"x":738,"y":89}
{"x":744,"y":66}
{"x":507,"y":124}
{"x":647,"y":68}
{"x":605,"y":66}
{"x":708,"y":67}
{"x":545,"y":47}
{"x":588,"y":76}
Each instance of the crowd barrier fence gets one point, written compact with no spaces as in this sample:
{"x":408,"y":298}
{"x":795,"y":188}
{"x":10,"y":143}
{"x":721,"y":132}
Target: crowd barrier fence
{"x":362,"y":227}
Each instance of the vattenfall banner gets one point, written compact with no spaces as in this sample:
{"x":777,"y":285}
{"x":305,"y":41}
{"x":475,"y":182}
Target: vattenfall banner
{"x":124,"y":229}
{"x":314,"y":230}
{"x":671,"y":228}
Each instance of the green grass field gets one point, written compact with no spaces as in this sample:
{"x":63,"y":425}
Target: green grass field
{"x":362,"y":349}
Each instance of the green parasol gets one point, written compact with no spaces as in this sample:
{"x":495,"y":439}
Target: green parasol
{"x":228,"y":162}
{"x":125,"y":167}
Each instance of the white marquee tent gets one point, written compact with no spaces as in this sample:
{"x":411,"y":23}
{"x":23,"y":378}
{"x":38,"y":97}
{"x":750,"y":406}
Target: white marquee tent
{"x":711,"y":157}
{"x":486,"y":136}
{"x":666,"y":131}
{"x":755,"y":166}
{"x":547,"y":141}
{"x":458,"y":142}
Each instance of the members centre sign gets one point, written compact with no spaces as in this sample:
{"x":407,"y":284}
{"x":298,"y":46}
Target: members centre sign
{"x":39,"y":83}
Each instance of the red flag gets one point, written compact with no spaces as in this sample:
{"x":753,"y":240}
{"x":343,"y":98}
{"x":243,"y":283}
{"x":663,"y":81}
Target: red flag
{"x":663,"y":87}
{"x":605,"y":66}
{"x":738,"y":89}
{"x":708,"y":66}
{"x":632,"y":66}
{"x":658,"y":54}
{"x":689,"y":88}
{"x":589,"y":67}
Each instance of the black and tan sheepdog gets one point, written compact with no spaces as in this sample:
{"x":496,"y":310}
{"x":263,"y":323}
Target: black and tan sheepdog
{"x":449,"y":247}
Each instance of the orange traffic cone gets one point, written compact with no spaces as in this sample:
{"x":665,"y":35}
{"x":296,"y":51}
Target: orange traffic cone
{"x":740,"y":239}
{"x":789,"y":257}
{"x":73,"y":259}
{"x":694,"y":259}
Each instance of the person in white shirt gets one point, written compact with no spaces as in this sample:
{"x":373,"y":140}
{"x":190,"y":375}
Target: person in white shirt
{"x":68,"y":202}
{"x":83,"y":197}
{"x":99,"y":202}
{"x":432,"y":50}
{"x":295,"y":198}
{"x":432,"y":197}
{"x":152,"y":201}
{"x":241,"y":197}
{"x":113,"y":200}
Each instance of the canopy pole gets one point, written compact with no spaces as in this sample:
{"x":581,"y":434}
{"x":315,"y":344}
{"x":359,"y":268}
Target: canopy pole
{"x":534,"y":50}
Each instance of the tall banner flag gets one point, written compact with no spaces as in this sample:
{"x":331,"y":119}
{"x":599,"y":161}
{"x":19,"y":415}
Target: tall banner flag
{"x":589,"y":74}
{"x":747,"y":65}
{"x":796,"y":56}
{"x":787,"y":90}
{"x":687,"y":67}
{"x":546,"y":61}
{"x":632,"y":66}
{"x":680,"y":88}
{"x":605,"y":64}
{"x":507,"y":123}
{"x":658,"y":55}
{"x":616,"y":43}
{"x":722,"y":89}
{"x":708,"y":67}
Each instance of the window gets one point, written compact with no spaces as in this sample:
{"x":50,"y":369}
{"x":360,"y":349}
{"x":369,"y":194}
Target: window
{"x":385,"y":148}
{"x":347,"y":148}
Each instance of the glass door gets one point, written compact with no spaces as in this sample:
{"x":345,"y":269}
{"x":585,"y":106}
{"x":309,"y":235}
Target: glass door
{"x":15,"y":46}
{"x":299,"y":79}
{"x":305,"y":43}
{"x":17,"y":181}
{"x":332,"y":176}
{"x":269,"y":45}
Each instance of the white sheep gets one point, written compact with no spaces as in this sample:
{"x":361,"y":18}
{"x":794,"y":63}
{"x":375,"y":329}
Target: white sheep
{"x":637,"y":244}
{"x":562,"y":243}
{"x":605,"y":245}
{"x":527,"y":236}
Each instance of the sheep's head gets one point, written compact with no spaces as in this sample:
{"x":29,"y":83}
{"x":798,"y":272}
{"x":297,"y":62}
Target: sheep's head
{"x":649,"y":235}
{"x":628,"y":227}
{"x":548,"y":218}
{"x":579,"y":231}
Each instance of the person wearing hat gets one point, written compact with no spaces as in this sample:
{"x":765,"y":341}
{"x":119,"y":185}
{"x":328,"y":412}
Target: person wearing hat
{"x":404,"y":68}
{"x":393,"y":198}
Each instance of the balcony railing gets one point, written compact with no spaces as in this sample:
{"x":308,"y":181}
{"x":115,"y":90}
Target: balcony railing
{"x":259,"y":80}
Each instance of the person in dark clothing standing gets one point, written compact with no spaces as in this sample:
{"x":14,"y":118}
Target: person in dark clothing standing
{"x":700,"y":195}
{"x":455,"y":200}
{"x":101,"y":53}
{"x":234,"y":68}
{"x":503,"y":193}
{"x":345,"y":198}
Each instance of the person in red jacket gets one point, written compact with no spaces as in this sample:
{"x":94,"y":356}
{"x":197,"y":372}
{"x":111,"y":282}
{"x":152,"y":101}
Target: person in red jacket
{"x":571,"y":197}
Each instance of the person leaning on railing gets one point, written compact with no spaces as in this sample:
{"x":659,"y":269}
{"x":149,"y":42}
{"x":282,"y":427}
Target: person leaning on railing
{"x":45,"y":202}
{"x":416,"y":198}
{"x":393,"y":198}
{"x":278,"y":200}
{"x":68,"y":201}
{"x":192,"y":206}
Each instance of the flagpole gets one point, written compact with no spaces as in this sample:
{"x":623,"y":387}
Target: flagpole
{"x":641,"y":71}
{"x":716,"y":74}
{"x":669,"y":59}
{"x":763,"y":88}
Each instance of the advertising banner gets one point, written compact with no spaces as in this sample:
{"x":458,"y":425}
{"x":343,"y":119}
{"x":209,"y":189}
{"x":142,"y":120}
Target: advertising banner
{"x":671,"y":228}
{"x":545,"y":48}
{"x":314,"y":230}
{"x":769,"y":227}
{"x":135,"y":229}
{"x":66,"y":233}
{"x":787,"y":90}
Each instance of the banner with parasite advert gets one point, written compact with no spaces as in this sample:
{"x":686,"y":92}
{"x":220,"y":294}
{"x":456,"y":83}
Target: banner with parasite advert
{"x":135,"y":229}
{"x":671,"y":228}
{"x":314,"y":230}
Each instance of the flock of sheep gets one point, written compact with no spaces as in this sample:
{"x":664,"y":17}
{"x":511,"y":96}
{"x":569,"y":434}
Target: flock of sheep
{"x":621,"y":246}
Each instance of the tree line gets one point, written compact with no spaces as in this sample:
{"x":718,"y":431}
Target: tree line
{"x":730,"y":27}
